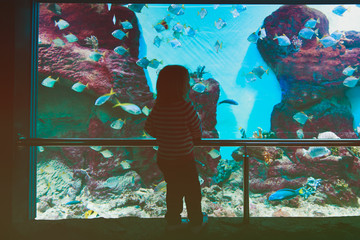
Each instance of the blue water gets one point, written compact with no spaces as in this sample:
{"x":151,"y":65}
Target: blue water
{"x":236,"y":58}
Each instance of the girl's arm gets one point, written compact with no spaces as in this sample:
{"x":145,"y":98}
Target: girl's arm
{"x":149,"y":126}
{"x":194,"y":124}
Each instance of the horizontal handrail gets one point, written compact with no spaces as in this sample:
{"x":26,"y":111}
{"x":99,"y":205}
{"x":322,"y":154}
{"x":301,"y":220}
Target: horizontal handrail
{"x":149,"y":142}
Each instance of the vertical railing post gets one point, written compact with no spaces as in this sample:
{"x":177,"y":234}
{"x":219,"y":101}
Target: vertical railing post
{"x":246,"y":218}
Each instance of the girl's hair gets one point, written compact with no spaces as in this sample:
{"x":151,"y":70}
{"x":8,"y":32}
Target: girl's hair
{"x":173,"y":83}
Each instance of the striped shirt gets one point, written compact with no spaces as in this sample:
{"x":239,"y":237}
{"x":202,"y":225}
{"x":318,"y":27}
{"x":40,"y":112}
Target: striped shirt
{"x":174,"y":125}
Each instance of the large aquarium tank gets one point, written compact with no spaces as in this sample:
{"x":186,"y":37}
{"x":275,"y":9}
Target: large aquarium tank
{"x":257,"y":72}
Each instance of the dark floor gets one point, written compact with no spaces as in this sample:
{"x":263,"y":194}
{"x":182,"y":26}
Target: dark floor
{"x":218,"y":228}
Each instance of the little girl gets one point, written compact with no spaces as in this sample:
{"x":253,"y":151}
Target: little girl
{"x":175,"y":124}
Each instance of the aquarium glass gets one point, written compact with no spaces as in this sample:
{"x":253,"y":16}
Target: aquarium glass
{"x":114,"y":182}
{"x":318,"y":184}
{"x":257,"y":71}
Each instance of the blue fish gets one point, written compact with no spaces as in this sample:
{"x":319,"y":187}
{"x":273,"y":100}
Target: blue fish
{"x":311,"y":23}
{"x":282,"y":40}
{"x":339,"y":10}
{"x":104,"y":98}
{"x":136,"y":7}
{"x":72,"y":202}
{"x":71,"y":38}
{"x":328,"y":41}
{"x":119,"y":34}
{"x":126,"y":25}
{"x":121,"y":50}
{"x":285,"y":193}
{"x":229,"y":101}
{"x":157,"y":41}
{"x":307,"y":33}
{"x":176,"y":9}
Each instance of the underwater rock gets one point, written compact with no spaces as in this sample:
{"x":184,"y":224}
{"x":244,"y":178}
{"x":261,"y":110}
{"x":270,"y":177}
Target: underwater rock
{"x":280,"y":213}
{"x":340,"y":194}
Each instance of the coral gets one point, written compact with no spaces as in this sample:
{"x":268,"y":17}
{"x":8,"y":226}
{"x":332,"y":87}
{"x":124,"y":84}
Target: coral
{"x":280,"y":213}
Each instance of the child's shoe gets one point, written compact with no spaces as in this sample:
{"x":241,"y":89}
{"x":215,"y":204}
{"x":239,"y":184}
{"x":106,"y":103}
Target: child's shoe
{"x":178,"y":227}
{"x":197,"y":229}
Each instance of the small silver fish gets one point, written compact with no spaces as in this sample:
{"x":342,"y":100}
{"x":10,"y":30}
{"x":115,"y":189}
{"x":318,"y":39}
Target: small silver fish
{"x":235,"y":13}
{"x":159,"y":27}
{"x":337,"y":35}
{"x":58,"y":42}
{"x":175,"y":43}
{"x":155,"y":63}
{"x":178,"y":27}
{"x":62,"y":24}
{"x":157,"y":41}
{"x":119,"y":34}
{"x":136,"y":7}
{"x":95,"y":56}
{"x":199,"y":87}
{"x":300,"y":133}
{"x":114,"y":19}
{"x":71,"y":38}
{"x":328,"y":41}
{"x":216,"y":6}
{"x":49,"y":82}
{"x":317,"y":152}
{"x":262,"y":33}
{"x":121,"y":50}
{"x":126,"y":25}
{"x":104,"y":98}
{"x":55,"y":8}
{"x":307,"y":33}
{"x":253,"y":38}
{"x":339,"y":10}
{"x":143,"y":62}
{"x":125,"y":164}
{"x":349,"y":71}
{"x":350,"y":81}
{"x":79,"y":87}
{"x":259,"y":71}
{"x":328,"y":135}
{"x":40,"y":148}
{"x":214,"y":153}
{"x":96,"y":148}
{"x":203,"y":12}
{"x":218,"y":45}
{"x":109,"y":6}
{"x":219,"y":24}
{"x":240,"y":8}
{"x":176,"y":9}
{"x":189,"y":31}
{"x":301,"y":117}
{"x":117,"y":124}
{"x":250,"y":77}
{"x":106,"y":153}
{"x":128,"y":107}
{"x":145,"y":111}
{"x":311,"y":23}
{"x":283,"y":40}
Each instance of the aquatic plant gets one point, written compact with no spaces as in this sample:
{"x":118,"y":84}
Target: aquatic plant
{"x":93,"y":42}
{"x":335,"y":151}
{"x":341,"y":185}
{"x":199,"y":72}
{"x":267,"y":157}
{"x":258,"y":133}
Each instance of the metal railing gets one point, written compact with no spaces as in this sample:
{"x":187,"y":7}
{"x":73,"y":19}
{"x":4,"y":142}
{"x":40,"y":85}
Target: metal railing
{"x":150,"y":142}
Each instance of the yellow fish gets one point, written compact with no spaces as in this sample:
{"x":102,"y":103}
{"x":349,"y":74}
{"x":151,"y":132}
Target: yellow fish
{"x":91,"y":214}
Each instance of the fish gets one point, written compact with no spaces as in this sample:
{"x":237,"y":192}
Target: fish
{"x":49,"y":82}
{"x":114,"y":19}
{"x":55,"y":8}
{"x":118,"y":124}
{"x":125,"y":164}
{"x":61,"y":24}
{"x":250,"y":77}
{"x":73,"y":202}
{"x":136,"y":7}
{"x":229,"y":101}
{"x":111,"y":182}
{"x":328,"y":41}
{"x":119,"y":34}
{"x":155,"y":148}
{"x":307,"y":33}
{"x":214,"y":153}
{"x":128,"y":107}
{"x":90,"y":214}
{"x":104,"y":98}
{"x":317,"y":152}
{"x":160,"y":187}
{"x":350,"y":81}
{"x":283,"y":40}
{"x":301,"y":117}
{"x":96,"y":148}
{"x":262,"y":33}
{"x":176,"y":9}
{"x":189,"y":31}
{"x":219,"y":24}
{"x":337,"y":35}
{"x":121,"y":50}
{"x":240,"y":8}
{"x":242,"y":132}
{"x":178,"y":27}
{"x":216,"y":6}
{"x":95,"y":55}
{"x":348,"y":71}
{"x":146,"y":111}
{"x":311,"y":23}
{"x":259,"y":71}
{"x":160,"y":27}
{"x":155,"y":63}
{"x":79,"y":87}
{"x":175,"y":43}
{"x":235,"y":13}
{"x":143,"y":62}
{"x":339,"y":10}
{"x":285,"y":193}
{"x":106,"y":153}
{"x":40,"y":148}
{"x":157,"y":41}
{"x":328,"y":135}
{"x":126,"y":25}
{"x":201,"y":180}
{"x":253,"y":37}
{"x":203,"y":12}
{"x":58,"y":42}
{"x":71,"y":38}
{"x":218,"y":45}
{"x":203,"y":165}
{"x":199,"y":87}
{"x":109,"y":6}
{"x":300,"y":133}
